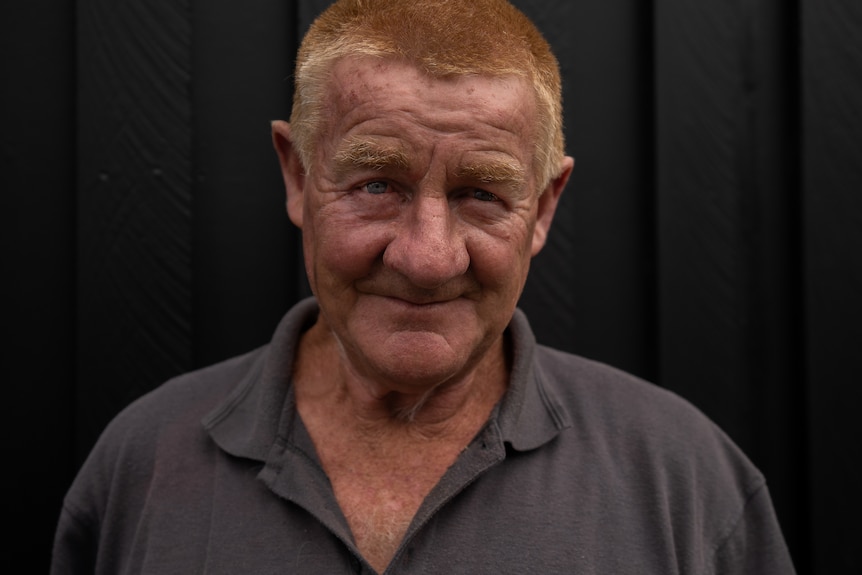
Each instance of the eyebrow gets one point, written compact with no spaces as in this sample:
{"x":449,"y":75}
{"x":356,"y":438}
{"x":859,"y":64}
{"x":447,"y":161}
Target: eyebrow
{"x":360,"y":154}
{"x":508,"y":174}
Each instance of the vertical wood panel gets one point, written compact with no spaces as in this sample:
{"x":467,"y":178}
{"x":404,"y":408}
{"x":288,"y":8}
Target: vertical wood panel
{"x":832,"y":148}
{"x":700,"y":123}
{"x":773,"y":232}
{"x":37,"y":185}
{"x":134,"y":203}
{"x":247,"y":255}
{"x":729,"y":297}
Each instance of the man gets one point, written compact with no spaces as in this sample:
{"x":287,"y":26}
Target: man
{"x":404,"y":419}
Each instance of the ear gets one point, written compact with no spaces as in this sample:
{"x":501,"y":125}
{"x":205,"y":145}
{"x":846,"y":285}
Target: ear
{"x":548,"y":205}
{"x":291,"y":170}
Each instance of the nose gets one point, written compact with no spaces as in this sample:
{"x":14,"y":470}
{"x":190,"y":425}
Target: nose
{"x":429,"y":247}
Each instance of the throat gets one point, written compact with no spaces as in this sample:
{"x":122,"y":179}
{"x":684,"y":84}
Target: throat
{"x":384,"y":450}
{"x":380,"y":476}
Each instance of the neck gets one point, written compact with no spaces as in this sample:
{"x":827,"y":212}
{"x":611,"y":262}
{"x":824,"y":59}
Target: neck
{"x":325,"y":377}
{"x":384,"y":446}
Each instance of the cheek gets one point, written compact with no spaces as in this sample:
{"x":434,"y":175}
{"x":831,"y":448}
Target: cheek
{"x":343,"y":249}
{"x":501,"y":261}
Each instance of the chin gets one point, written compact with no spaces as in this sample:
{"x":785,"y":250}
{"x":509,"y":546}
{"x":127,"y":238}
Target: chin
{"x":419,"y":361}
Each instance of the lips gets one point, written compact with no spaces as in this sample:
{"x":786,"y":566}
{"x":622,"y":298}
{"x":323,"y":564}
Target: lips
{"x":420,"y":297}
{"x":395,"y":288}
{"x":419,"y":300}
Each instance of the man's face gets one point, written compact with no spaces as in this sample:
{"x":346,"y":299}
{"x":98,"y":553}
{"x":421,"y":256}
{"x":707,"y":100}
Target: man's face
{"x":419,"y":218}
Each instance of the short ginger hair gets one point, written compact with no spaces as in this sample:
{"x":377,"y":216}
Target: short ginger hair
{"x":443,"y":38}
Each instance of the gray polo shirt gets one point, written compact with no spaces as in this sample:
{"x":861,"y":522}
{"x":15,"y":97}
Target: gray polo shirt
{"x":580,"y":469}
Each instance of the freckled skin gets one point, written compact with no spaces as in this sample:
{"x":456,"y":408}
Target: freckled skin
{"x":419,"y":218}
{"x":417,"y":283}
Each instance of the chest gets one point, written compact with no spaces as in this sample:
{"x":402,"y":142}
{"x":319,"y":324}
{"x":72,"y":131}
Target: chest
{"x":393,"y":481}
{"x":379,"y":490}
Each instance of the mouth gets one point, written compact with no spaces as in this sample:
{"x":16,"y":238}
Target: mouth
{"x":406,"y":296}
{"x":422,"y":300}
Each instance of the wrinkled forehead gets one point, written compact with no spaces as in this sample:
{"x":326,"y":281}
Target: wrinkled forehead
{"x":386,"y":84}
{"x":377,"y":108}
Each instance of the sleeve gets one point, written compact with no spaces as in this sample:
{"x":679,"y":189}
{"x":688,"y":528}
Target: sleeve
{"x":74,"y":546}
{"x":755,"y":544}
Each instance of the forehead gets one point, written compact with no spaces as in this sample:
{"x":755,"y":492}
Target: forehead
{"x":380,"y":95}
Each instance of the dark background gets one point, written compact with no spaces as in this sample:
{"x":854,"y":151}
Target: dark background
{"x":710,"y":239}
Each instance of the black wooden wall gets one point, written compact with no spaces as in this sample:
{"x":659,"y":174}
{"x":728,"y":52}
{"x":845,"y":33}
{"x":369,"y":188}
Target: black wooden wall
{"x":710,"y":239}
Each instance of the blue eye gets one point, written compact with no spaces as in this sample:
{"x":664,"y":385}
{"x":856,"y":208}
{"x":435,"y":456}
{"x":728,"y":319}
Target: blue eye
{"x":484,"y":196}
{"x":376,"y":187}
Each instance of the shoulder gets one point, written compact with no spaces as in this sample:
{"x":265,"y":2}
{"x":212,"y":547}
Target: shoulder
{"x":188,"y":397}
{"x":659,"y":453}
{"x":162,"y":425}
{"x":653,"y":432}
{"x":598,"y":396}
{"x":154,"y":452}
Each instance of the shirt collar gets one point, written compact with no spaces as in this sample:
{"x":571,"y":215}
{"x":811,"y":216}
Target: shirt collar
{"x":261,"y":406}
